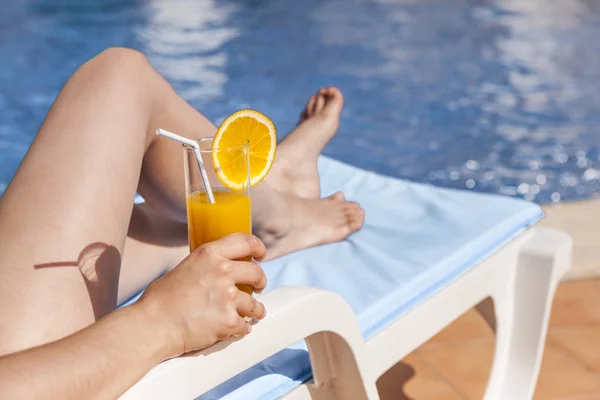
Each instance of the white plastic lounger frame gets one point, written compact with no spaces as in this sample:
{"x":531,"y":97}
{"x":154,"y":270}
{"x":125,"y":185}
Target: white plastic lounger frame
{"x":521,"y":278}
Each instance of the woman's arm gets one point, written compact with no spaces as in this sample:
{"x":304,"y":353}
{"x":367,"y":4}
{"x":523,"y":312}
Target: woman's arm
{"x":190,"y":308}
{"x":101,"y":361}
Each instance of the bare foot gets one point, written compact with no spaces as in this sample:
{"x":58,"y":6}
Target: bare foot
{"x":309,"y":223}
{"x":295,"y":168}
{"x":288,"y":213}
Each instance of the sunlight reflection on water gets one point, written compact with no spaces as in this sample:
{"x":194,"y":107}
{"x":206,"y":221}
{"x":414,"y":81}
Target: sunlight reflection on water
{"x":494,"y":96}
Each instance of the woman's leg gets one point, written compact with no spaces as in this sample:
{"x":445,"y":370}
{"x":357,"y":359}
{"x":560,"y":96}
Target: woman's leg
{"x":65,"y":216}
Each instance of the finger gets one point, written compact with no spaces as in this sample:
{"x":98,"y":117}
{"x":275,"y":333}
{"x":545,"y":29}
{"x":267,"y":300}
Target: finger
{"x":248,"y":306}
{"x":239,"y":245}
{"x":249,"y":273}
{"x":242,"y":328}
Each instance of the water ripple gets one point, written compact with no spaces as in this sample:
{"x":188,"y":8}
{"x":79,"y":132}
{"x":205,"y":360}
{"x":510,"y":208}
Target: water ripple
{"x":486,"y":95}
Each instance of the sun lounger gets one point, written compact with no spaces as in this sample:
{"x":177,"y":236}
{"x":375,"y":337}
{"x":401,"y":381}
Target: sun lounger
{"x":340,"y":315}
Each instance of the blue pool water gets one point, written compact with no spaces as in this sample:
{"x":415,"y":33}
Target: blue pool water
{"x":496,"y":96}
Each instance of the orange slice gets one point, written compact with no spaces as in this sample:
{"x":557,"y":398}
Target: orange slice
{"x":244,"y":126}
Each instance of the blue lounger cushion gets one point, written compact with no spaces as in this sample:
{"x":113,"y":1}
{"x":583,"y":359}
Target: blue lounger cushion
{"x":416,"y":239}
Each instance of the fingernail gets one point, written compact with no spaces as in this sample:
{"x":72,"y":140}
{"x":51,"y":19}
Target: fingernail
{"x":249,"y":328}
{"x":255,"y":242}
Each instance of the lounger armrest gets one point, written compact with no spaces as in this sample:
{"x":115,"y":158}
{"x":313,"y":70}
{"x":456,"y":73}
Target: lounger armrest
{"x":293,"y":313}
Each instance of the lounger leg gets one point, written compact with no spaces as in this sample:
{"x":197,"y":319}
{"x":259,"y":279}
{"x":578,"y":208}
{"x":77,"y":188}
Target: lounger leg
{"x":522,"y":314}
{"x":336,"y":370}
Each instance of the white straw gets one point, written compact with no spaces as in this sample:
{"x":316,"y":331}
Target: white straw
{"x":196,"y":148}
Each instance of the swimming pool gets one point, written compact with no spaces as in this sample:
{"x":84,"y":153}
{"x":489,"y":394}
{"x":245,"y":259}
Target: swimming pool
{"x":494,"y":96}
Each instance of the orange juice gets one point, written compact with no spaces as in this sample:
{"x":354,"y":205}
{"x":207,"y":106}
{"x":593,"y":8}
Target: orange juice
{"x":209,"y":222}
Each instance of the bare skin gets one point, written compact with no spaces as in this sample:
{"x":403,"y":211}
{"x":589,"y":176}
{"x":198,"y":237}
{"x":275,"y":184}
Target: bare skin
{"x":292,"y":187}
{"x":72,"y":242}
{"x":191,"y":307}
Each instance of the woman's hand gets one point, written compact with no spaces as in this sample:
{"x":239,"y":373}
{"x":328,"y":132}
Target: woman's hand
{"x":198,"y":303}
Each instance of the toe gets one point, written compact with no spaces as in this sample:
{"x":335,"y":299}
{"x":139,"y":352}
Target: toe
{"x":308,"y":110}
{"x":320,"y":103}
{"x":310,"y":107}
{"x":352,"y":205}
{"x":355,"y":217}
{"x":334,"y":101}
{"x":360,"y":217}
{"x":351,"y":208}
{"x":302,"y":117}
{"x":354,"y":225}
{"x":332,"y":92}
{"x":342,"y":232}
{"x":337,"y":197}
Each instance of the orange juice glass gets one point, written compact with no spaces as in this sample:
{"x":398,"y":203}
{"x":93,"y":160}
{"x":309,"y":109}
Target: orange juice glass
{"x":231,"y":211}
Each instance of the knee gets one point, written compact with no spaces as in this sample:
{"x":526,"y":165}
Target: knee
{"x":121,"y":56}
{"x":119,"y":63}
